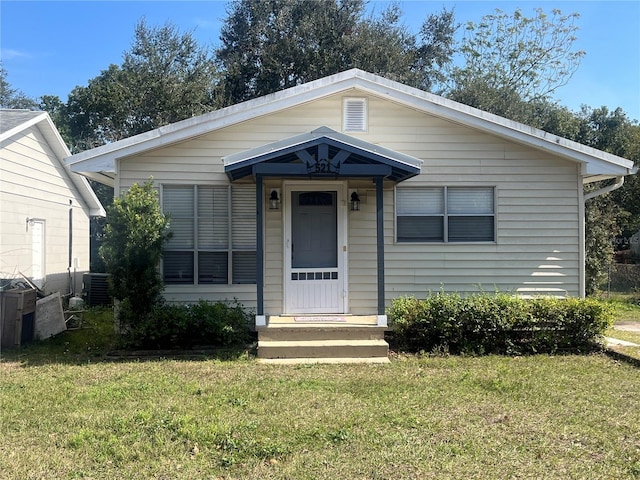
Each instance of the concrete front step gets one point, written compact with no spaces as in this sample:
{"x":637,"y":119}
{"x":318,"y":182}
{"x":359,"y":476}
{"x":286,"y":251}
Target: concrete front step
{"x":308,"y":349}
{"x":322,"y":339}
{"x":297,"y":361}
{"x":295,"y":332}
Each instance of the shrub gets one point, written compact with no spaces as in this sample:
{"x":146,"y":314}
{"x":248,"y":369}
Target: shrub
{"x":184,"y":326}
{"x":134,"y":236}
{"x":500,"y":323}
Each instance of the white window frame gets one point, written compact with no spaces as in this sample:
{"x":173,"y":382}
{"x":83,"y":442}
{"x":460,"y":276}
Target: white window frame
{"x":195,"y":249}
{"x":445,"y":215}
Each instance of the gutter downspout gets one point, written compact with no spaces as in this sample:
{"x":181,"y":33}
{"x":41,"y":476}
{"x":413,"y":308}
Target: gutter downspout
{"x":587,"y":196}
{"x":609,"y":188}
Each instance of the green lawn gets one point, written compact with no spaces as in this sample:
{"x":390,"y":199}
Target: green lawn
{"x":66,"y":413}
{"x":627,"y":310}
{"x":445,"y":417}
{"x":626,"y":306}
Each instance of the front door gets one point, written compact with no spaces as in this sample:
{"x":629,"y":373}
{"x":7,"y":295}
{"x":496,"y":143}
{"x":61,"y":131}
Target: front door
{"x":314,"y":251}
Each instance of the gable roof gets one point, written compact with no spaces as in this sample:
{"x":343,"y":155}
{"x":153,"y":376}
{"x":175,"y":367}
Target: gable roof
{"x":13,"y":122}
{"x":595,"y":164}
{"x":334,"y":154}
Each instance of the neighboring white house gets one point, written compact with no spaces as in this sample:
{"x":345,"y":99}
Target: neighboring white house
{"x":44,"y":207}
{"x":450,"y":197}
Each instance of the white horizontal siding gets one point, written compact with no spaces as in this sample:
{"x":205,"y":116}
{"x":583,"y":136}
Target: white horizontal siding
{"x":243,"y":294}
{"x":537,"y":203}
{"x":35,"y":185}
{"x":273,"y":258}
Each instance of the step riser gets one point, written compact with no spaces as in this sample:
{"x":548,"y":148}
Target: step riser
{"x":329,"y":351}
{"x":321,"y":340}
{"x":299,"y":334}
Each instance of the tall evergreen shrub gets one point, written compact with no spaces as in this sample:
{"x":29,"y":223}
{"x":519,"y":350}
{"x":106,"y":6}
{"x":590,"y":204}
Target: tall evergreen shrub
{"x":134,"y":235}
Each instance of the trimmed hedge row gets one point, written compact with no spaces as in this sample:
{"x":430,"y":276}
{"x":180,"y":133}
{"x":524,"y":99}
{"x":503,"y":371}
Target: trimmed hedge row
{"x":181,"y":326}
{"x":500,"y":323}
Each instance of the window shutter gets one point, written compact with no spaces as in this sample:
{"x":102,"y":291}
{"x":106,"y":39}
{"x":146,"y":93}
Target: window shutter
{"x":354,"y":115}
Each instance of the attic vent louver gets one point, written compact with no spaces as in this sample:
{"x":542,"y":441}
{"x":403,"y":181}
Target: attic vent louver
{"x":354,"y":117}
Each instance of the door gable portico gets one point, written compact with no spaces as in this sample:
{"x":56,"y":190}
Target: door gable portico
{"x":322,"y":153}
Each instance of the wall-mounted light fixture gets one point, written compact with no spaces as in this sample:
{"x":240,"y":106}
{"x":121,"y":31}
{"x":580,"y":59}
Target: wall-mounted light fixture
{"x":355,"y":201}
{"x":274,"y":200}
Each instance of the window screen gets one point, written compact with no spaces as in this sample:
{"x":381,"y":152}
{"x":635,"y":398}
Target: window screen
{"x":445,"y":214}
{"x":213,"y":234}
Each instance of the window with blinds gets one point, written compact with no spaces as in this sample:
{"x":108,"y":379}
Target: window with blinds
{"x":213,"y":234}
{"x":445,"y":214}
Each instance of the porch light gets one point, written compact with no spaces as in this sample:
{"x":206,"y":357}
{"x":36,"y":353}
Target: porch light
{"x":274,"y":200}
{"x":355,"y":202}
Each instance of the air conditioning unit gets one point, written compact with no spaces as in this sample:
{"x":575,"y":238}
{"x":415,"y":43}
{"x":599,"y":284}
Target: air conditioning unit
{"x":95,"y":289}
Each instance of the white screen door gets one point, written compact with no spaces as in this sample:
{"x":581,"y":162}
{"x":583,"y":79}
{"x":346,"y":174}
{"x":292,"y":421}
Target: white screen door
{"x":314,"y":272}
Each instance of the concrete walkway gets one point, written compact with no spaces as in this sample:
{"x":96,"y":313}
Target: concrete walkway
{"x":614,"y":342}
{"x":628,"y":327}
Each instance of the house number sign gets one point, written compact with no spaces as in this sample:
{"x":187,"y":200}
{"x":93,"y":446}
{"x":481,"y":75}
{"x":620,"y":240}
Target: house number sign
{"x":323,"y":167}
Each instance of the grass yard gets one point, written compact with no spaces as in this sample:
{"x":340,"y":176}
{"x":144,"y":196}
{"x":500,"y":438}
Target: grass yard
{"x":66,"y":413}
{"x":627,"y":311}
{"x":626,"y":306}
{"x":417,"y":418}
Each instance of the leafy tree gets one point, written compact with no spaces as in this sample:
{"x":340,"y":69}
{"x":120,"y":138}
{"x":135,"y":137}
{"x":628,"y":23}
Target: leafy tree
{"x":614,"y":216}
{"x":12,"y":97}
{"x":165,"y":77}
{"x":511,"y":57}
{"x":135,"y":233}
{"x":601,"y":228}
{"x":611,"y":215}
{"x":271,"y":45}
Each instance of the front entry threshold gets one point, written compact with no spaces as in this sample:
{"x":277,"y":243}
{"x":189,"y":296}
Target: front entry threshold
{"x":292,"y":339}
{"x":324,"y":319}
{"x":378,"y":320}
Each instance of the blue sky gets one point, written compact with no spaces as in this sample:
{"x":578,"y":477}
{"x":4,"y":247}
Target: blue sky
{"x":50,"y":47}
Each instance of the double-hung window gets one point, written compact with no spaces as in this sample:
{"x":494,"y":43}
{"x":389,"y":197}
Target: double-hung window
{"x":445,"y":214}
{"x":213,"y":234}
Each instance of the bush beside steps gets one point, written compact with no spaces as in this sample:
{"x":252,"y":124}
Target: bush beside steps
{"x":497,"y":324}
{"x":171,"y":326}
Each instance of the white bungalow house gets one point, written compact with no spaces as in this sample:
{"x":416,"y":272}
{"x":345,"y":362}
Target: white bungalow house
{"x":319,"y":204}
{"x":44,"y":207}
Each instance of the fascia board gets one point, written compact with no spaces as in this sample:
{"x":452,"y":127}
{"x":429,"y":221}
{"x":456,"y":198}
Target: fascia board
{"x":60,"y":149}
{"x":103,"y":158}
{"x":496,"y":125}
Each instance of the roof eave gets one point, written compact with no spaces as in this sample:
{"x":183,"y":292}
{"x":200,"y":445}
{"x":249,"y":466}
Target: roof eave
{"x":107,"y":155}
{"x":60,"y":149}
